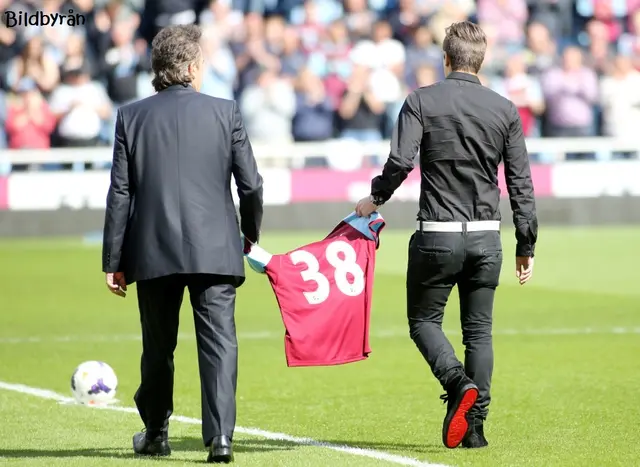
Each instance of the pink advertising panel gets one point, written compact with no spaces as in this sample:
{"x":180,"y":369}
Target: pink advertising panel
{"x":310,"y":185}
{"x":4,"y":201}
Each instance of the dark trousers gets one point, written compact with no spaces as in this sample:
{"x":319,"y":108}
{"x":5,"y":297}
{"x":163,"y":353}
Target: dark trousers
{"x":437,"y":262}
{"x":213,"y":301}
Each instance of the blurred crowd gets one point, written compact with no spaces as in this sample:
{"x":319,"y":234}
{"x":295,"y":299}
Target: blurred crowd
{"x":313,"y":70}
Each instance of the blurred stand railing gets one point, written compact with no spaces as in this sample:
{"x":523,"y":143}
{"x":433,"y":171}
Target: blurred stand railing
{"x":336,"y":154}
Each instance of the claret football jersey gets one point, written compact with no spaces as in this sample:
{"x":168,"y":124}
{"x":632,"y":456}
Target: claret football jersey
{"x":324,"y":292}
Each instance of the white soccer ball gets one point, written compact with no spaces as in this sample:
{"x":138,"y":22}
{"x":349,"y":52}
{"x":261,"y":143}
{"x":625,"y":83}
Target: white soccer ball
{"x":94,"y":383}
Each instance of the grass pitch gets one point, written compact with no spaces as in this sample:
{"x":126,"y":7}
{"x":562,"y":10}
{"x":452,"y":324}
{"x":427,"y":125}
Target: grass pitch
{"x":567,"y":351}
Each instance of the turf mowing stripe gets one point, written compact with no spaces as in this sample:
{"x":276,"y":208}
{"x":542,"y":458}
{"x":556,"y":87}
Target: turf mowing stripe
{"x":256,"y":432}
{"x":266,"y":335}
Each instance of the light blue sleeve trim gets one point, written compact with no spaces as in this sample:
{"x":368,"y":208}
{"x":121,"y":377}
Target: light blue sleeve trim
{"x":364,"y":224}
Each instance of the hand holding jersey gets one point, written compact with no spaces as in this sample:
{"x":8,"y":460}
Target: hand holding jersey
{"x":324,"y":292}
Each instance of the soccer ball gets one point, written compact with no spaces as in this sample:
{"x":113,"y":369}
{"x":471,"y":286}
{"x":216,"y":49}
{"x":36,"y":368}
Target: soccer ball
{"x":94,"y":383}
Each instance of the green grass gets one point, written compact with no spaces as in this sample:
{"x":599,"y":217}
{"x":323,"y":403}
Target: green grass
{"x":559,"y":399}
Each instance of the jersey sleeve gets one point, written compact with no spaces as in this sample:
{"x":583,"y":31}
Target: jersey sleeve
{"x":258,"y":258}
{"x":376,"y":224}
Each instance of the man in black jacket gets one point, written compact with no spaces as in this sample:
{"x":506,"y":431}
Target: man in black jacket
{"x":171,"y":223}
{"x":462,"y":132}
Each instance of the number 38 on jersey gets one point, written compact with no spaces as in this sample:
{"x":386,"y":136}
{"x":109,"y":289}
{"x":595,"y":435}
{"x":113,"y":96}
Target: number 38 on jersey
{"x":347,"y":275}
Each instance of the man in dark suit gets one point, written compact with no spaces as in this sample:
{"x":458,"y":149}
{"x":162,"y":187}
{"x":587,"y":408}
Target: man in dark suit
{"x":462,"y":131}
{"x":171,"y":223}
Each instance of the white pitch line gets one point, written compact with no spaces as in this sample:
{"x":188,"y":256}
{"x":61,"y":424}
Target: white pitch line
{"x":256,"y":432}
{"x":268,"y":335}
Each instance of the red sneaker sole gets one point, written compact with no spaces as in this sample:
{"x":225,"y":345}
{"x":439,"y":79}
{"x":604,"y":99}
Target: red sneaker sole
{"x":458,"y":426}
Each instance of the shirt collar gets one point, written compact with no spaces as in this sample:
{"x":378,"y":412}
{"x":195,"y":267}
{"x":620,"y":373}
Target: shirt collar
{"x":459,"y":75}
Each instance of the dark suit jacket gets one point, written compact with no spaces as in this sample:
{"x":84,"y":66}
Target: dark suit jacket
{"x":169,"y":206}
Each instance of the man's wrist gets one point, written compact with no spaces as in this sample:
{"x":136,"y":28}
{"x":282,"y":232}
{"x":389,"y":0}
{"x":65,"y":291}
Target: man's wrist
{"x":377,"y":200}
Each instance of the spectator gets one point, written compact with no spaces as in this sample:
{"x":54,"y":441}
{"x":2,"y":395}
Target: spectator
{"x":600,"y":48}
{"x":158,"y":14}
{"x":274,"y":28}
{"x":385,"y":57}
{"x":359,"y":19}
{"x":54,"y":39}
{"x":336,"y":48}
{"x":390,"y":52}
{"x":449,"y":11}
{"x":268,"y":108}
{"x":629,"y":43}
{"x":81,"y":107}
{"x":78,"y":55}
{"x":620,"y":92}
{"x":510,"y":15}
{"x":524,"y":91}
{"x":292,"y":58}
{"x":324,"y":11}
{"x":8,"y":44}
{"x":555,"y":15}
{"x":361,"y":112}
{"x":333,"y":61}
{"x":252,"y":54}
{"x":220,"y":69}
{"x":405,"y":20}
{"x":100,"y":23}
{"x":607,"y":12}
{"x":35,"y":63}
{"x":124,"y":62}
{"x":30,"y":122}
{"x":313,"y":120}
{"x":541,"y":53}
{"x":312,"y":29}
{"x":570,"y":93}
{"x":423,"y":51}
{"x":222,"y":19}
{"x":497,"y":54}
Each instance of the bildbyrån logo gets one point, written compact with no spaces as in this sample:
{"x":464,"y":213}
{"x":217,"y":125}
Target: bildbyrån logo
{"x":40,"y":18}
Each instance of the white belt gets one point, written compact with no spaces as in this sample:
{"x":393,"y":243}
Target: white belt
{"x":473,"y":226}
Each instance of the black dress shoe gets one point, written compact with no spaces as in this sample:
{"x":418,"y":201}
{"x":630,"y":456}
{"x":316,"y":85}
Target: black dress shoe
{"x":460,"y":397}
{"x":475,"y":437}
{"x":220,"y":450}
{"x":157,"y":446}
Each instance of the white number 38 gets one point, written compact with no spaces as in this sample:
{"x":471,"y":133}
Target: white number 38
{"x":341,"y":267}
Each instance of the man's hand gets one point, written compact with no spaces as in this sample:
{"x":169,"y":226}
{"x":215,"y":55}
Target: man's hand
{"x":116,"y":283}
{"x":524,"y":268}
{"x":365,"y":207}
{"x":247,"y":245}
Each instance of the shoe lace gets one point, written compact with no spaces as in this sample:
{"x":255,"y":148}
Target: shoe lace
{"x":444,"y":398}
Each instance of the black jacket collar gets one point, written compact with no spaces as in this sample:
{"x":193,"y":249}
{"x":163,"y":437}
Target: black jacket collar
{"x":178,"y":87}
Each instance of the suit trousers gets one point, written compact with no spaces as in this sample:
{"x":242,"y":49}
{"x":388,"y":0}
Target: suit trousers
{"x":213,"y":302}
{"x":437,"y":262}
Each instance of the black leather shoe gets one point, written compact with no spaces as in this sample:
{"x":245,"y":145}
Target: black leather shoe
{"x":220,"y":451}
{"x":475,"y":437}
{"x":158,"y":446}
{"x":460,"y":397}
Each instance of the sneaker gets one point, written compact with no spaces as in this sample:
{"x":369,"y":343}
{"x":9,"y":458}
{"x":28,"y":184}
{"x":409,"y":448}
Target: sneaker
{"x":460,"y":397}
{"x":475,"y":437}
